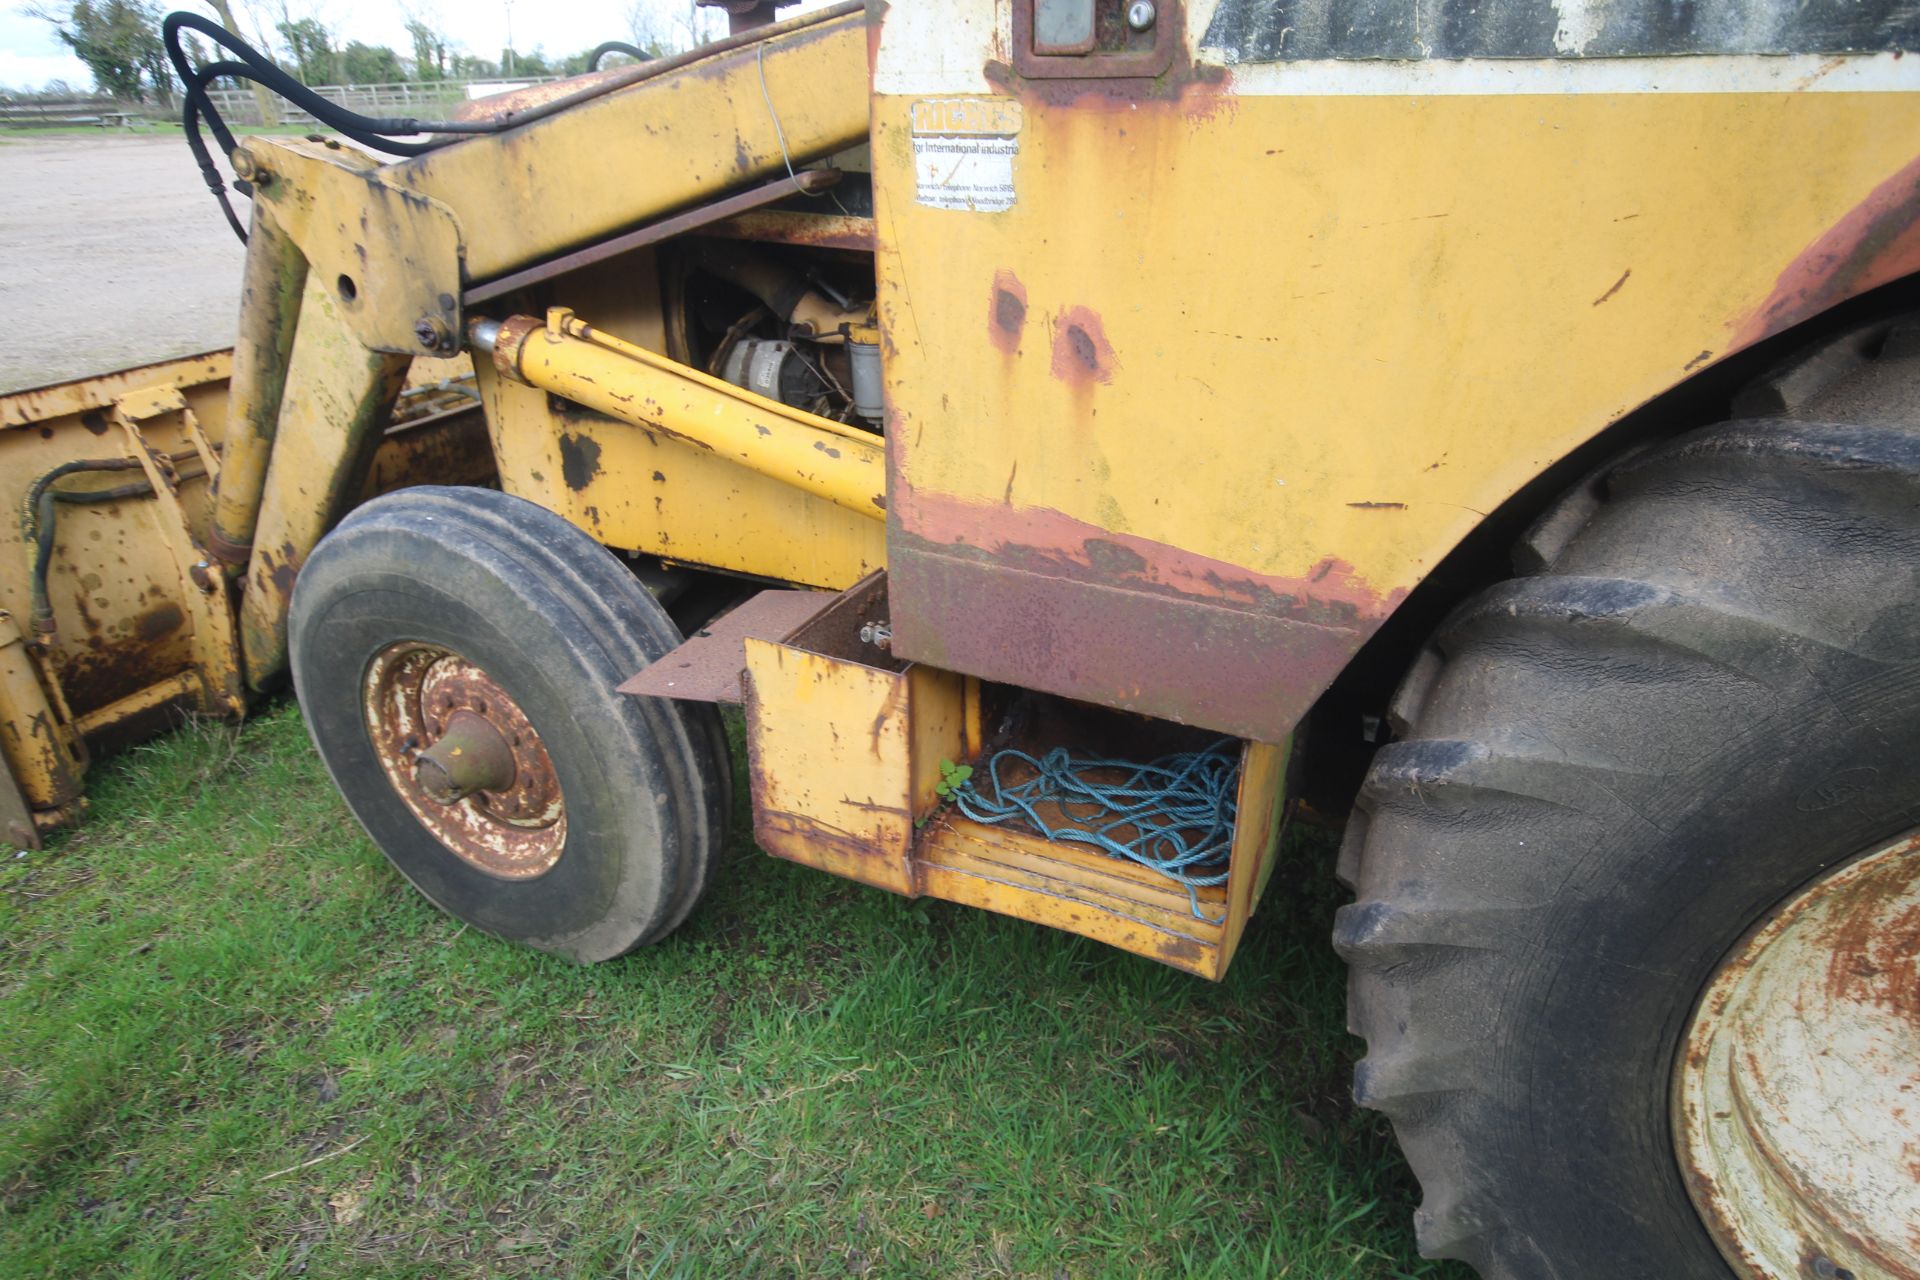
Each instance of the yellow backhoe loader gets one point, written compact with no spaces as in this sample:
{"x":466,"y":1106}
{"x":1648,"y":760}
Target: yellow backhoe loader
{"x":1084,"y":435}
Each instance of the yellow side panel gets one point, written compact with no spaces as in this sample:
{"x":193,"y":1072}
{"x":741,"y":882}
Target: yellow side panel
{"x":1259,"y":807}
{"x":937,"y":733}
{"x":1006,"y":870}
{"x":1275,"y":355}
{"x":1344,"y":326}
{"x":829,"y":748}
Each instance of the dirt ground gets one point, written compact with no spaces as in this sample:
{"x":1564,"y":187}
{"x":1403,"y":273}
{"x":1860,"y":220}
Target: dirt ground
{"x":114,"y":255}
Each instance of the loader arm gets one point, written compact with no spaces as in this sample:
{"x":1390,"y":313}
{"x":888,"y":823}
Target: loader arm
{"x":368,"y":265}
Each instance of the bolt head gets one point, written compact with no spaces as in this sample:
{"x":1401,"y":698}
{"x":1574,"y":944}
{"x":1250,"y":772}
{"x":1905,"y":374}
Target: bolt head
{"x":430,"y":333}
{"x":1140,"y":14}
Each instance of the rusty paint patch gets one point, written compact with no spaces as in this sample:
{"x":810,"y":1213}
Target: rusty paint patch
{"x":1877,"y":242}
{"x":795,"y":838}
{"x":1810,"y":1019}
{"x":111,"y":667}
{"x":1042,"y":600}
{"x":1081,"y":352}
{"x":513,"y":825}
{"x":1050,"y":542}
{"x":813,"y":230}
{"x":579,"y":460}
{"x":278,"y":571}
{"x":1007,"y":311}
{"x":1872,"y":955}
{"x":708,"y":665}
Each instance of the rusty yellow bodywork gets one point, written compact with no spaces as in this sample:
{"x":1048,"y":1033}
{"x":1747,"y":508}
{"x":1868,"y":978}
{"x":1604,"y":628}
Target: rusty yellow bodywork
{"x":847,"y":748}
{"x":1291,"y":347}
{"x":144,"y":626}
{"x":1197,"y":363}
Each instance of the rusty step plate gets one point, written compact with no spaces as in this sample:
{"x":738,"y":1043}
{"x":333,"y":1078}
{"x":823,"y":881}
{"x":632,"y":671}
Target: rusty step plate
{"x":707,"y":665}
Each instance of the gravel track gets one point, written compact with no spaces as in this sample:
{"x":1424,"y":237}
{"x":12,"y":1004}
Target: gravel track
{"x":115,"y":255}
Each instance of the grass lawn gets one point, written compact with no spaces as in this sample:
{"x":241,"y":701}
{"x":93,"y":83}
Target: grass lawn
{"x":234,"y":1042}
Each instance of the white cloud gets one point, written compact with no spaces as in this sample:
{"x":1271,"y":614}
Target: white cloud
{"x":34,"y":70}
{"x":31,"y":55}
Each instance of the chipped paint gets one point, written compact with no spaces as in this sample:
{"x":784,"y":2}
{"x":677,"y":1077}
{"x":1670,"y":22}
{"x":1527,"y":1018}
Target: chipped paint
{"x":1039,"y":599}
{"x":1081,"y":352}
{"x":1878,"y":241}
{"x":579,"y":460}
{"x":1006,"y":311}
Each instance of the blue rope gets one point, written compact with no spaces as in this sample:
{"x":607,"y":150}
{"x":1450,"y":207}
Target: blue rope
{"x":1180,"y":808}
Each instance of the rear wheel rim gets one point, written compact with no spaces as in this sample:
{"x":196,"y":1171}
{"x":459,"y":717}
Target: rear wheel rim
{"x":429,"y":710}
{"x":1797,"y":1094}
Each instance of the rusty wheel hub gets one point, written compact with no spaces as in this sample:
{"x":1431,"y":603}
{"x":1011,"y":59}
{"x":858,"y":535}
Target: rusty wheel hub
{"x":465,"y":759}
{"x":1797,"y":1112}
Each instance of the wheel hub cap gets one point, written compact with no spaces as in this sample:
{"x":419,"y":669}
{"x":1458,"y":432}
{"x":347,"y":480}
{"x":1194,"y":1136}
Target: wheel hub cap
{"x":465,"y":760}
{"x":1797,"y":1112}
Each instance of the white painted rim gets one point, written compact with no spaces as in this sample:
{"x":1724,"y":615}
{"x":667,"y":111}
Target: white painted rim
{"x":1797,"y":1094}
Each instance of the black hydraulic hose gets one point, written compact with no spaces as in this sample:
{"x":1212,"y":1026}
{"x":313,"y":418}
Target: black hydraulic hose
{"x":375,"y":132}
{"x":196,"y":108}
{"x":600,"y":51}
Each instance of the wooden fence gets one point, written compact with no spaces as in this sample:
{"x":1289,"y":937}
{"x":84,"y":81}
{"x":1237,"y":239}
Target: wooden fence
{"x":238,"y":106}
{"x":51,"y":112}
{"x":420,"y":99}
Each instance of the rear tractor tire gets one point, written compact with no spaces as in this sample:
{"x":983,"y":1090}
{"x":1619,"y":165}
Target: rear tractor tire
{"x":456,"y":653}
{"x":1636,"y":945}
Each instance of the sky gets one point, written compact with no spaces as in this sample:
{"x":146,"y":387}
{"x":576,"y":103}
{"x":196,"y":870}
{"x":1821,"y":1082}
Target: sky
{"x":31,"y":54}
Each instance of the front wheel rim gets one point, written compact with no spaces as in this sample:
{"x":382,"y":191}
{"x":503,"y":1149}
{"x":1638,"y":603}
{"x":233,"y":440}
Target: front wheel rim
{"x":1797,"y":1092}
{"x":429,"y":713}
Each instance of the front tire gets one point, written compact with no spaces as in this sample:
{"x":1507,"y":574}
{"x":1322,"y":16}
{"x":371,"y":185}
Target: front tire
{"x":456,"y":653}
{"x":1608,"y":773}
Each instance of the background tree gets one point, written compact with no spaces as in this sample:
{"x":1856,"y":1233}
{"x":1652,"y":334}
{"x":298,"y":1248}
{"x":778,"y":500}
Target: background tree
{"x":531,"y":64}
{"x":468,"y":67}
{"x":262,"y":96}
{"x":672,"y":26}
{"x":371,"y":64}
{"x":119,"y":40}
{"x":310,"y":45}
{"x":429,"y":50}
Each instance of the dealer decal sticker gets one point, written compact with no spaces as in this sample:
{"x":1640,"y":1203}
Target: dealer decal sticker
{"x":963,"y":152}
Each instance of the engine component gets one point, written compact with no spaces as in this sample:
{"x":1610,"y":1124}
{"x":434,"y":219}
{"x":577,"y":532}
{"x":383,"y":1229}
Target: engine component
{"x":774,"y":369}
{"x":863,"y":350}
